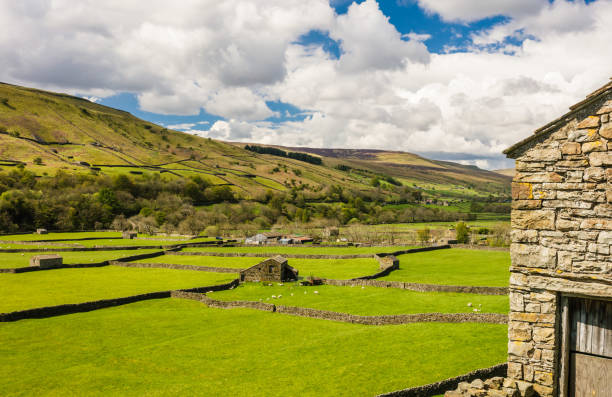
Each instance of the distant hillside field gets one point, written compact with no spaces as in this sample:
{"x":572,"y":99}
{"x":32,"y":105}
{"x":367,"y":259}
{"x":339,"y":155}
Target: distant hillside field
{"x":50,"y":132}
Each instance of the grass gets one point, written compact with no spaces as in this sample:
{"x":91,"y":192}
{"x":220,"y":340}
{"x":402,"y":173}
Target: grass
{"x":325,"y":268}
{"x":13,"y":260}
{"x":304,"y":250}
{"x":55,"y":287}
{"x":340,"y":269}
{"x":367,"y":301}
{"x":171,"y":347}
{"x":58,"y":236}
{"x":454,"y":267}
{"x":212,"y":261}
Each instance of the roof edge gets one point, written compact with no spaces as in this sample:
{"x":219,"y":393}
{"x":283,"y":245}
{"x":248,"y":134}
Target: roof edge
{"x":592,"y":97}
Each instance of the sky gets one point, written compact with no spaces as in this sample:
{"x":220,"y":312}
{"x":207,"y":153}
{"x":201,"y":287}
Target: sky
{"x":457,"y":80}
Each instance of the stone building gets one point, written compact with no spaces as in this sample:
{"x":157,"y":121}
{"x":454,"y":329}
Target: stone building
{"x":560,"y":324}
{"x":46,"y":261}
{"x":273,"y":269}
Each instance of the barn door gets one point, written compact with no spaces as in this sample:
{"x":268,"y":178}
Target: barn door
{"x":590,"y":348}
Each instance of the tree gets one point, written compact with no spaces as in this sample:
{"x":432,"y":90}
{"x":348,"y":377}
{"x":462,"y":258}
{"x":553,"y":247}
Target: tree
{"x":463,"y":233}
{"x":423,"y":235}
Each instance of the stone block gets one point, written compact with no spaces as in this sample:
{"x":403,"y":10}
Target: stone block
{"x":604,"y":237}
{"x":538,"y":177}
{"x":543,"y":378}
{"x":539,"y":154}
{"x":534,"y":220}
{"x":595,"y":223}
{"x":543,"y":335}
{"x":589,"y":267}
{"x":520,"y":349}
{"x":571,"y":148}
{"x":542,"y":391}
{"x":528,"y":373}
{"x":594,"y":174}
{"x":521,"y":191}
{"x":46,"y":261}
{"x":589,"y":122}
{"x":595,"y":146}
{"x":582,"y":135}
{"x":519,"y":331}
{"x":524,"y":236}
{"x":494,"y":383}
{"x":597,"y":159}
{"x":606,"y":131}
{"x":532,"y":317}
{"x":517,"y":302}
{"x":526,"y":204}
{"x":524,"y":255}
{"x":529,"y":166}
{"x":579,"y":163}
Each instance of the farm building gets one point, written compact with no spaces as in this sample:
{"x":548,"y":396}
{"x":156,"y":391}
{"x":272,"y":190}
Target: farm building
{"x":560,"y":325}
{"x":257,"y":239}
{"x":273,"y":269}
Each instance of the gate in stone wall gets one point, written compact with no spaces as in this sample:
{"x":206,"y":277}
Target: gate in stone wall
{"x":588,"y":347}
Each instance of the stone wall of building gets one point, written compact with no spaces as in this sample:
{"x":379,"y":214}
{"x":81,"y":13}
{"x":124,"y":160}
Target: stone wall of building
{"x":561,"y":235}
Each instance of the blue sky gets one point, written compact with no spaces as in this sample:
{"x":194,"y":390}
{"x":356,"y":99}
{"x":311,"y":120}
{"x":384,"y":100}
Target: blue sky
{"x":456,"y":80}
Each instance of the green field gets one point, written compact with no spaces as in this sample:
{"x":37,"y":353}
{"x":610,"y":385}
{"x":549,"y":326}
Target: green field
{"x":59,"y":236}
{"x":340,"y":269}
{"x":366,"y":301}
{"x":303,"y":250}
{"x":454,"y":266}
{"x":13,"y":260}
{"x":172,"y":347}
{"x":55,"y":287}
{"x":211,"y":261}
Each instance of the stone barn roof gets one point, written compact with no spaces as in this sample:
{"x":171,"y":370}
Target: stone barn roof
{"x":516,"y":149}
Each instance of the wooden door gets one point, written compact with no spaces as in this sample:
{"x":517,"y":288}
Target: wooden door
{"x":590,"y":348}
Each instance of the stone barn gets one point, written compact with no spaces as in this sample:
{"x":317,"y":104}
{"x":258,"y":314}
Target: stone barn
{"x":560,"y":324}
{"x":273,"y":269}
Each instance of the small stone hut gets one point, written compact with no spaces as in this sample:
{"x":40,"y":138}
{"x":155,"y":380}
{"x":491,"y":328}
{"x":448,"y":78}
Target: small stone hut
{"x":560,"y":324}
{"x":273,"y":269}
{"x":46,"y":261}
{"x":129,"y":235}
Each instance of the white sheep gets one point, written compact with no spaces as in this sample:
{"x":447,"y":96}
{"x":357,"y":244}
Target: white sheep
{"x":316,"y":292}
{"x":469,"y":304}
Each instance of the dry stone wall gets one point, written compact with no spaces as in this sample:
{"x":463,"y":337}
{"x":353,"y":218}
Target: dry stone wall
{"x":449,"y":384}
{"x":561,"y":237}
{"x":418,"y":287}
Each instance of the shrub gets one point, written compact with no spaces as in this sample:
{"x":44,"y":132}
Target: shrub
{"x":463,"y":235}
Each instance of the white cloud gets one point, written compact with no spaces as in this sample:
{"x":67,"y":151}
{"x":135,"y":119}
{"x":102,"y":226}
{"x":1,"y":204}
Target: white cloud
{"x":370,"y":42}
{"x":384,"y":91}
{"x":474,"y":10}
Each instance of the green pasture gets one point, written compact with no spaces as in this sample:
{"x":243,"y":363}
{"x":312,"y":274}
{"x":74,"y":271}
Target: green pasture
{"x":340,"y":269}
{"x":303,"y":250}
{"x":454,"y":266}
{"x":365,"y":301}
{"x":55,"y":287}
{"x":181,"y":347}
{"x":58,"y":236}
{"x":211,"y":261}
{"x":13,"y":260}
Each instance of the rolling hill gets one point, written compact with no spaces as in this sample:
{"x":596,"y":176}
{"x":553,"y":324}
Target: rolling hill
{"x":49,"y":131}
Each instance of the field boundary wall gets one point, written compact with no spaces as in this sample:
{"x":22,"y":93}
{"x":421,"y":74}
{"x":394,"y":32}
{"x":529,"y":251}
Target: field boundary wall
{"x":449,"y":384}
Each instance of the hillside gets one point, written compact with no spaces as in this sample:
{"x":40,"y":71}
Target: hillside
{"x":49,"y":132}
